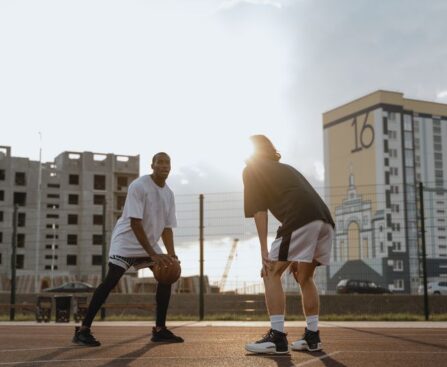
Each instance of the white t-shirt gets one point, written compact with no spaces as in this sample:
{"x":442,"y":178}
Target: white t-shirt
{"x":153,"y":204}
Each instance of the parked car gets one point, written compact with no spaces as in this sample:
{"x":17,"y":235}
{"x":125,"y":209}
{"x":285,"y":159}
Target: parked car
{"x":359,"y":286}
{"x":437,"y":288}
{"x":72,"y":287}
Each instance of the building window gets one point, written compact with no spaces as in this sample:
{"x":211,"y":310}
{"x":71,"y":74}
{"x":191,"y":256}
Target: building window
{"x":52,"y":216}
{"x":394,"y":171}
{"x":0,"y":258}
{"x":20,"y":261}
{"x":398,"y":284}
{"x":20,"y":240}
{"x":122,"y":182}
{"x":53,"y":186}
{"x":73,"y":199}
{"x":97,"y":239}
{"x":398,"y":265}
{"x":96,"y":260}
{"x":72,"y":219}
{"x":397,"y":246}
{"x":1,"y":237}
{"x":99,"y":199}
{"x":53,"y":196}
{"x":97,"y":219}
{"x":20,"y":179}
{"x":395,"y":208}
{"x":99,"y":182}
{"x":53,"y":206}
{"x":71,"y":259}
{"x":72,"y":239}
{"x":73,"y":179}
{"x":2,"y":175}
{"x":408,"y":140}
{"x":1,"y":216}
{"x":2,"y":195}
{"x":20,"y":198}
{"x":21,"y":219}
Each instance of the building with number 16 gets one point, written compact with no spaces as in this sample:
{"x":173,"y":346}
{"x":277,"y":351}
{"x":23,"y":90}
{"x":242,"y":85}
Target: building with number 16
{"x":378,"y":150}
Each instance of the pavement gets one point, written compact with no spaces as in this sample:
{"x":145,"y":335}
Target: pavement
{"x":221,"y":343}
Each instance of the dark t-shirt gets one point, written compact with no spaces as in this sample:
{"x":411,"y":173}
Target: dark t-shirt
{"x":280,"y":188}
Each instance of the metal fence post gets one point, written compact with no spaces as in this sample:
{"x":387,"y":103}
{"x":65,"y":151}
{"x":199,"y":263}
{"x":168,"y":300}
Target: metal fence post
{"x":12,"y":310}
{"x":104,"y":253}
{"x":201,"y":288}
{"x":424,"y":253}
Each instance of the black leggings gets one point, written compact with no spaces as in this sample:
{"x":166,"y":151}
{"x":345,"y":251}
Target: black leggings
{"x":112,"y":278}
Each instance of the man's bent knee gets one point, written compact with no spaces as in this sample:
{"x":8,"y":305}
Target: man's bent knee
{"x":304,"y":279}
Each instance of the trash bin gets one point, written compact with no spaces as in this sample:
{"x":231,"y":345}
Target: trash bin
{"x":63,"y":306}
{"x":44,"y":306}
{"x":79,"y":308}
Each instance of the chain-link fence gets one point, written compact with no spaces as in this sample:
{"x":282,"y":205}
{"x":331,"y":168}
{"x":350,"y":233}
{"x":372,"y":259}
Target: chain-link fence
{"x":378,"y":245}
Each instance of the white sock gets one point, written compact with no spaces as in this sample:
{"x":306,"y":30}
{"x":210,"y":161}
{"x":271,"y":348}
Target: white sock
{"x":277,"y":322}
{"x":312,"y":323}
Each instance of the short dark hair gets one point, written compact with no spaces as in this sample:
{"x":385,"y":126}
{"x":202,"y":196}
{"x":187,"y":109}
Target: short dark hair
{"x":264,"y":148}
{"x":156,"y":155}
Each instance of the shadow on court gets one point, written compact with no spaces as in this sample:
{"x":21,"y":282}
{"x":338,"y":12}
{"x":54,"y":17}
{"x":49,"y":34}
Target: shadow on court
{"x":399,"y":338}
{"x":286,"y":359}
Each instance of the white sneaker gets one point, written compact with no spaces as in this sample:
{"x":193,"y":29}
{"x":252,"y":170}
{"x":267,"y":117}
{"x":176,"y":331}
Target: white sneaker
{"x":274,"y":342}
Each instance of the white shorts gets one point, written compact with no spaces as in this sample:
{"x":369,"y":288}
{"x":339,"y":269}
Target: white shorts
{"x":127,"y":262}
{"x":310,"y":242}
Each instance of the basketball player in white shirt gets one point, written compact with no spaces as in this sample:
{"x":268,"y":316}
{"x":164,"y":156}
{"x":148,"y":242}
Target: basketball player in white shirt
{"x":148,"y":215}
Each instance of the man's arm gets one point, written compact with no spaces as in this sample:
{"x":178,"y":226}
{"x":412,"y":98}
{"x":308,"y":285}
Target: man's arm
{"x":168,"y":239}
{"x":138,"y":230}
{"x":261,"y":221}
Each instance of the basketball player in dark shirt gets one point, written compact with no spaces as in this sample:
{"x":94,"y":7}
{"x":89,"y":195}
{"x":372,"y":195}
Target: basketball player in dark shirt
{"x":303,"y":241}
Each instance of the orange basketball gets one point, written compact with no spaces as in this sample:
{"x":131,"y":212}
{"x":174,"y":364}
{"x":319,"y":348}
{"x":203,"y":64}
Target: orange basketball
{"x":169,"y":274}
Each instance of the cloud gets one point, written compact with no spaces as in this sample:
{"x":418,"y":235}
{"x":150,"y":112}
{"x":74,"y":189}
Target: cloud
{"x":230,"y":4}
{"x":203,"y":178}
{"x":442,"y":95}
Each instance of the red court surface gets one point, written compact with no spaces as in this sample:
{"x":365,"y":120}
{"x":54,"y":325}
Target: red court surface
{"x":222,"y":344}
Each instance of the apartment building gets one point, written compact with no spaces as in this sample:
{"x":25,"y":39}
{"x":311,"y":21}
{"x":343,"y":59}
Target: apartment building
{"x":61,"y":227}
{"x":377,"y":149}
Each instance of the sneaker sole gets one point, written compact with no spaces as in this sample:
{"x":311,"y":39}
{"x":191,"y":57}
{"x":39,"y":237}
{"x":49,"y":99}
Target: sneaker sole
{"x":166,"y":341}
{"x":318,"y":348}
{"x":267,"y":352}
{"x":306,"y":348}
{"x":78,"y":342}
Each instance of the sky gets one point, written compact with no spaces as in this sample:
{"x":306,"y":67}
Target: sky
{"x":197,"y":78}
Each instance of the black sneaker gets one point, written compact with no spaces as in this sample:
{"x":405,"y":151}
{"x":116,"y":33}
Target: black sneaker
{"x":310,"y":341}
{"x":274,"y":342}
{"x":165,"y":336}
{"x":85,"y":337}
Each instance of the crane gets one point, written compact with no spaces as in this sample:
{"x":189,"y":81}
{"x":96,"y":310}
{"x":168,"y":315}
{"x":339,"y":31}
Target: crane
{"x":223,"y":280}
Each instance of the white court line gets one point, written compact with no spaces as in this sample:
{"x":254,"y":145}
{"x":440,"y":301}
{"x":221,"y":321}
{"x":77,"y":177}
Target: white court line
{"x":393,"y":351}
{"x":31,"y":349}
{"x":238,"y":358}
{"x":198,"y":341}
